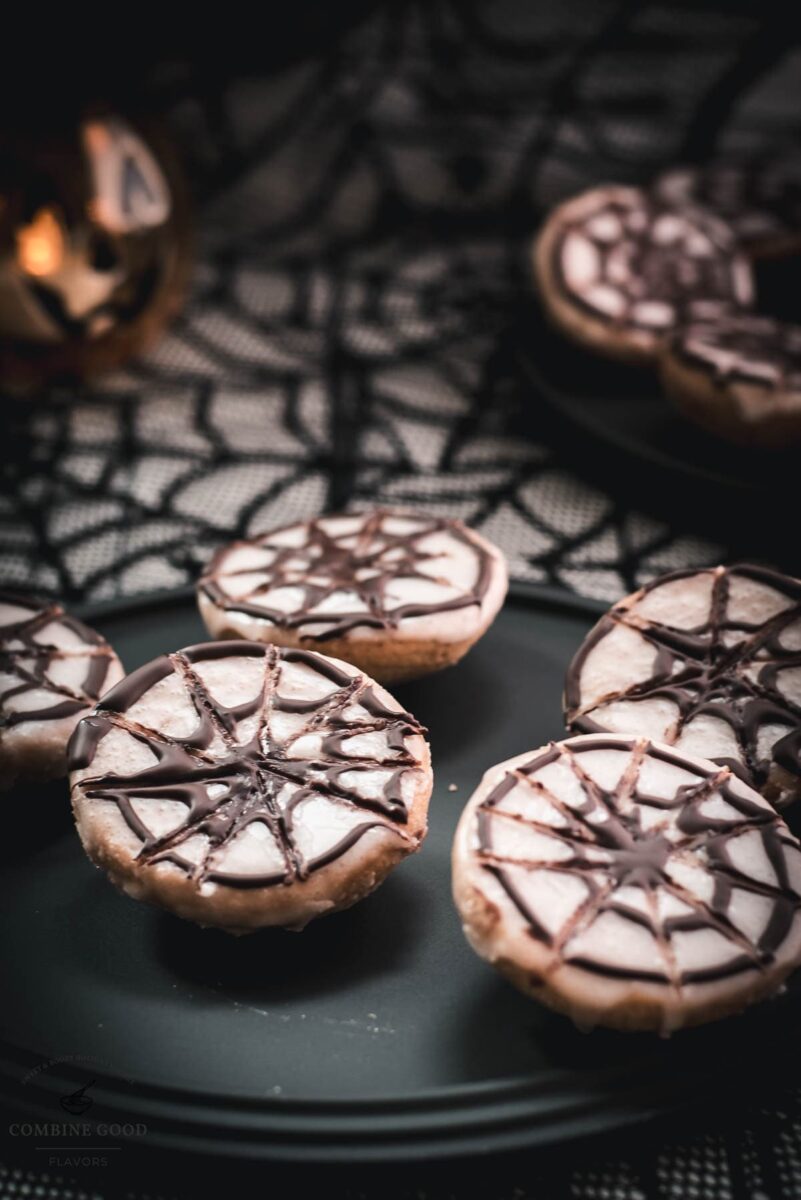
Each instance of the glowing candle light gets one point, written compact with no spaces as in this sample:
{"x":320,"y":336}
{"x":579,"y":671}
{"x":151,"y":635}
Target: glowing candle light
{"x":40,"y":245}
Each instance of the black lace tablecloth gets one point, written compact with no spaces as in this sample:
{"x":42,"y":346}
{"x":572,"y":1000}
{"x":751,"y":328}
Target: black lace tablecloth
{"x":363,"y":217}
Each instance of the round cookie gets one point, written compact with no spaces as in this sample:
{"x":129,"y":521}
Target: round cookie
{"x":239,"y":785}
{"x":738,"y":377}
{"x":759,"y":200}
{"x":52,"y":670}
{"x":627,"y":885}
{"x":618,"y":271}
{"x":400,"y":594}
{"x":708,"y":661}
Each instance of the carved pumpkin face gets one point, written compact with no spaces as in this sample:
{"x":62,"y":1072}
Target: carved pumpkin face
{"x":91,"y":234}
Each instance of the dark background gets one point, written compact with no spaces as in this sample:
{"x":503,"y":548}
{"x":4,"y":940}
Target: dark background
{"x":365,"y":192}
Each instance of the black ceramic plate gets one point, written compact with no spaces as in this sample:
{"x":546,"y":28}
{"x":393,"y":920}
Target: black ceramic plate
{"x":374,"y":1034}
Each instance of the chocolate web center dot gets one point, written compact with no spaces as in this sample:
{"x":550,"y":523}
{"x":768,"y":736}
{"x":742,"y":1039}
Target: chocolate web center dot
{"x":641,"y":863}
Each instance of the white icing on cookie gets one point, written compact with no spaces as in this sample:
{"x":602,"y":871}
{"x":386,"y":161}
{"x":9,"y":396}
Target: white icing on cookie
{"x":246,"y":766}
{"x":705,"y":660}
{"x":630,"y":885}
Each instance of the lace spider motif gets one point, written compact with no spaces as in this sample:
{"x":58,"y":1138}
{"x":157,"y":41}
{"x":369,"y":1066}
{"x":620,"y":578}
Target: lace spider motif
{"x":725,"y":669}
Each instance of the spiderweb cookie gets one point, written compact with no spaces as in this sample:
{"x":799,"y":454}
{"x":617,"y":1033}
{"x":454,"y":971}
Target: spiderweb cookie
{"x":628,"y":885}
{"x":399,"y":594}
{"x":738,"y":377}
{"x":241,"y":785}
{"x":708,"y":661}
{"x":52,"y":670}
{"x":618,"y":271}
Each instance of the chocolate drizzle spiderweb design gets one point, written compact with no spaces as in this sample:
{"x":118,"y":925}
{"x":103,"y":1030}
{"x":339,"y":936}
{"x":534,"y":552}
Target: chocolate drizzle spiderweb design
{"x":616,"y":840}
{"x":364,"y":560}
{"x":725,"y":669}
{"x":26,"y":662}
{"x":747,"y":349}
{"x":229,"y":778}
{"x":652,"y":266}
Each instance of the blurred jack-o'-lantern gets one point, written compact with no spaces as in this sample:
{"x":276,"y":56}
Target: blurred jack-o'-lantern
{"x":94,"y":249}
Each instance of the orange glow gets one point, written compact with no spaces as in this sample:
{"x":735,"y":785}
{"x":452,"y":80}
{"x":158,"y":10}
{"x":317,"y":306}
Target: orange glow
{"x":40,"y":245}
